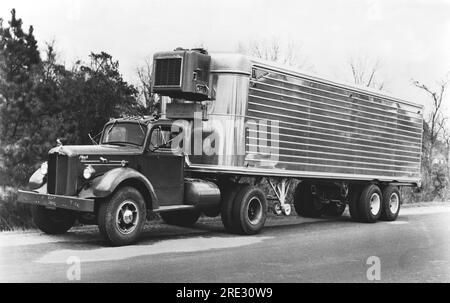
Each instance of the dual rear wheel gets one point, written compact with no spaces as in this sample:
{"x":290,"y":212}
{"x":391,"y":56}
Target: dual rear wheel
{"x":243,"y":209}
{"x":366,"y":203}
{"x":370,"y":204}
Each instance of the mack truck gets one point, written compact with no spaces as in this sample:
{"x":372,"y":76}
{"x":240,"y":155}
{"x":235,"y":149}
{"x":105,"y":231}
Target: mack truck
{"x":235,"y":135}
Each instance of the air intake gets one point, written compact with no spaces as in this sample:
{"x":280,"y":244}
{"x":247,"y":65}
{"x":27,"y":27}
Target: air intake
{"x":168,"y":72}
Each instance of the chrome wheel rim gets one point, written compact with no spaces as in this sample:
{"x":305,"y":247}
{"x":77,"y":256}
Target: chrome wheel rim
{"x":254,"y":211}
{"x":375,"y":204}
{"x":394,"y":203}
{"x":127,"y":217}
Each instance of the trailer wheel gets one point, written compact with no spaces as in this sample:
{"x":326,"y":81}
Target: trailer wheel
{"x":334,"y":209}
{"x":228,"y":193}
{"x":391,"y":204}
{"x":53,"y":222}
{"x":122,"y":218}
{"x":355,"y":194}
{"x":370,"y":204}
{"x":184,"y":218}
{"x":305,"y":203}
{"x":249,"y":210}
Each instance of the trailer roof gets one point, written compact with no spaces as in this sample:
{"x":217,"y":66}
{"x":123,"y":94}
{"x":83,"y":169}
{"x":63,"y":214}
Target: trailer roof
{"x":242,"y":64}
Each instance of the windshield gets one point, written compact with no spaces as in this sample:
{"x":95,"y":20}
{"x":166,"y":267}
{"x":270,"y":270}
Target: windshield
{"x":125,"y":133}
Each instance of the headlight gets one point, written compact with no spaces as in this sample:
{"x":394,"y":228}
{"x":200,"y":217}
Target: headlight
{"x":44,"y":168}
{"x":88,"y":172}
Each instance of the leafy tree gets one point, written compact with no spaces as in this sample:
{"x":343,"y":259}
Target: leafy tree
{"x":93,"y":93}
{"x":19,"y":71}
{"x":41,"y":100}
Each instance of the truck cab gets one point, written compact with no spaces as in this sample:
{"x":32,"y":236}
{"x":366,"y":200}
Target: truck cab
{"x":134,"y":169}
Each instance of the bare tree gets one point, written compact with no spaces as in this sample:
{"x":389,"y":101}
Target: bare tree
{"x":144,"y":86}
{"x":436,"y":120}
{"x":290,"y":54}
{"x":365,"y":72}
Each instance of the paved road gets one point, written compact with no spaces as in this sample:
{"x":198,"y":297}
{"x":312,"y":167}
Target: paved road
{"x":414,"y":248}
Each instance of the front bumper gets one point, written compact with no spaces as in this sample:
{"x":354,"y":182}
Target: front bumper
{"x":56,"y":201}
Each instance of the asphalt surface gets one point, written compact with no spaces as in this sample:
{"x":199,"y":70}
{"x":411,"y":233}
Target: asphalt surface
{"x":415,"y":248}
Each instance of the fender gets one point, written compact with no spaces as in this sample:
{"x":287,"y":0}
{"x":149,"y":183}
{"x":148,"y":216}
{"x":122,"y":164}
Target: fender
{"x":104,"y":185}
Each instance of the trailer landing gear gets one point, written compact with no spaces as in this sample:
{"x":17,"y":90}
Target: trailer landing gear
{"x":281,"y":189}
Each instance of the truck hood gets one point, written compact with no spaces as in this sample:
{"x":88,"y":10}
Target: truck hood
{"x":75,"y":150}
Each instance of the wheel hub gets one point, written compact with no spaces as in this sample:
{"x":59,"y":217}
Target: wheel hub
{"x":255,"y":211}
{"x":394,"y":202}
{"x":127,"y":216}
{"x":375,"y":204}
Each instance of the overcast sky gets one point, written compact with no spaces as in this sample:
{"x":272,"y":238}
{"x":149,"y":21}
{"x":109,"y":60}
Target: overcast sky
{"x":412,"y":38}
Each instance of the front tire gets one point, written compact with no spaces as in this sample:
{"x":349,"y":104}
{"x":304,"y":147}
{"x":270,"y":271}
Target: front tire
{"x":391,"y":203}
{"x":53,"y":222}
{"x":122,"y":218}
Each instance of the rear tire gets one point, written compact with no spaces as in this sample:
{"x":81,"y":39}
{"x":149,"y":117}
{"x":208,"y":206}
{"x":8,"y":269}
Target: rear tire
{"x":51,"y":221}
{"x":122,"y":218}
{"x":228,"y":193}
{"x":249,"y":210}
{"x":391,"y":203}
{"x":370,"y":204}
{"x":355,"y":194}
{"x":305,"y":203}
{"x":183,"y":218}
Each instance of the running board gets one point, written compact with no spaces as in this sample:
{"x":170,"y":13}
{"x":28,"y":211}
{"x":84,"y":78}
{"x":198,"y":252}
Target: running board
{"x":173,"y":207}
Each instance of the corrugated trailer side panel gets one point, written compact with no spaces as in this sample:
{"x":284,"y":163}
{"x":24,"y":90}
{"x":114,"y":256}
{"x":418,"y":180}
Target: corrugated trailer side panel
{"x":324,"y":127}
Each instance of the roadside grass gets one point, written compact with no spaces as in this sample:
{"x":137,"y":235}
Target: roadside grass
{"x":13,"y":215}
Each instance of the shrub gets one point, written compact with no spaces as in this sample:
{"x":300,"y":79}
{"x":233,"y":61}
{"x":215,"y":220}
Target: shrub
{"x":13,"y":215}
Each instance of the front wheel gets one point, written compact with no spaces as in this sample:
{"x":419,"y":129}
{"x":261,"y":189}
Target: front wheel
{"x":122,"y":218}
{"x":53,"y":222}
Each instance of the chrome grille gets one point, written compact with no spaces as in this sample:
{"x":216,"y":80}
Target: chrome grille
{"x":57,"y":174}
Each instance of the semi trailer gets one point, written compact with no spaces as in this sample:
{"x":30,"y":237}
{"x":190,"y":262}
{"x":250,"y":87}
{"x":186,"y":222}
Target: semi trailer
{"x":234,"y":134}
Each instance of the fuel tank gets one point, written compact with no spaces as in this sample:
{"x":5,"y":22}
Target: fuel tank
{"x":202,"y":194}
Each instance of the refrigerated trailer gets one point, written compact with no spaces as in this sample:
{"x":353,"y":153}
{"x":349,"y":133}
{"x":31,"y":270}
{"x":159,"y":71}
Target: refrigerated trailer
{"x":235,"y":132}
